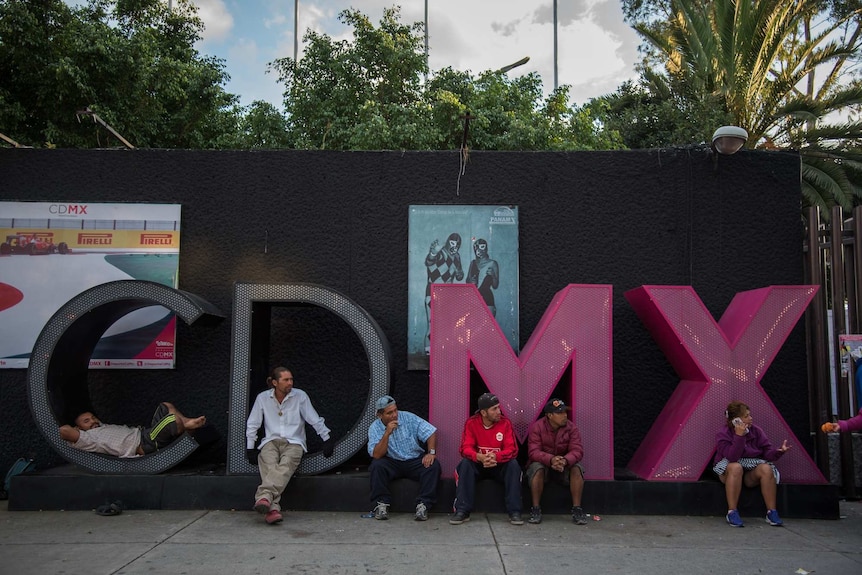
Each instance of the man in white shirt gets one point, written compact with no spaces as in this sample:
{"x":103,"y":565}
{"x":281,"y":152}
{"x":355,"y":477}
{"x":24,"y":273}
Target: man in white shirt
{"x":283,"y":411}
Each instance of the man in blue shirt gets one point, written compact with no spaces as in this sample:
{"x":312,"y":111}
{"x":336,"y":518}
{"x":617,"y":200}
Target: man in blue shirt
{"x":395,"y":443}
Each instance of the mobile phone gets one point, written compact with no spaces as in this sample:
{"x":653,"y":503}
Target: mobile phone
{"x":736,"y":421}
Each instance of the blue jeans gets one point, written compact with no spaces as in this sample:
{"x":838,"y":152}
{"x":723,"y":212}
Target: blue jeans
{"x":467,"y":472}
{"x":385,"y":469}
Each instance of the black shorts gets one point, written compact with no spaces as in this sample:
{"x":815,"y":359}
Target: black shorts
{"x":563,"y":478}
{"x":162,"y":431}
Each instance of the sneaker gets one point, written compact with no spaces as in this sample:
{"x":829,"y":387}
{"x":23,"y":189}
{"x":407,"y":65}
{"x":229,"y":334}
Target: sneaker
{"x":773,"y":519}
{"x":459,"y":518}
{"x":421,"y":512}
{"x":734,"y":520}
{"x":273,"y":517}
{"x":262,"y":505}
{"x":578,"y":516}
{"x":535,"y":515}
{"x":381,"y":512}
{"x":515,"y":518}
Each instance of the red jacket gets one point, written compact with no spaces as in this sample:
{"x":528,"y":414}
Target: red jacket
{"x":500,"y":438}
{"x":544,"y":443}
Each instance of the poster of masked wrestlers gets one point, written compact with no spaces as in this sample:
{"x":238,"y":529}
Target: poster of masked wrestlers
{"x":459,"y":245}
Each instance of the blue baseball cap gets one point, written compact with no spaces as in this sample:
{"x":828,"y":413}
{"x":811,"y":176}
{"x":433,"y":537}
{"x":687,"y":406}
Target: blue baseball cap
{"x":384,"y":402}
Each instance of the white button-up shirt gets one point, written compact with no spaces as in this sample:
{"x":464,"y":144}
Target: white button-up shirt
{"x":286,"y":419}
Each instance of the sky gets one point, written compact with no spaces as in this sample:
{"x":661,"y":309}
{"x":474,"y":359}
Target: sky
{"x":596,"y":50}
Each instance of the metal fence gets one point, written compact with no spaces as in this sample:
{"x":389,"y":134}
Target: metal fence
{"x":833,"y":260}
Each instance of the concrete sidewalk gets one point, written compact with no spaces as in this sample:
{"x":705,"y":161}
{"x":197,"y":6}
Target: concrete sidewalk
{"x":239,"y":542}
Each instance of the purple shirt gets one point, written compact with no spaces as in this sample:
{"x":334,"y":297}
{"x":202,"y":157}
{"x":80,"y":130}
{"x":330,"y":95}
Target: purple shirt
{"x":754,"y":444}
{"x":852,"y":424}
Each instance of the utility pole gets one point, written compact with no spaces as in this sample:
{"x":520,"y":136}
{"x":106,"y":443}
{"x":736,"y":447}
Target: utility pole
{"x":556,"y":83}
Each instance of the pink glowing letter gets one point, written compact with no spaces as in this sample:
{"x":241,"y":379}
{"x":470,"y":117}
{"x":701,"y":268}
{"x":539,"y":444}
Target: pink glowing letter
{"x":718,"y":363}
{"x":575,"y":328}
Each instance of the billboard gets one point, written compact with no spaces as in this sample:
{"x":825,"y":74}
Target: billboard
{"x":462,"y":245}
{"x":51,"y":252}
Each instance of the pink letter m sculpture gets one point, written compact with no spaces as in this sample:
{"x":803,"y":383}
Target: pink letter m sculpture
{"x":576,"y":328}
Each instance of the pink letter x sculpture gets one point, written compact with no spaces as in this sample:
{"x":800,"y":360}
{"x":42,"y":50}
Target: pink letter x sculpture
{"x":718,"y":363}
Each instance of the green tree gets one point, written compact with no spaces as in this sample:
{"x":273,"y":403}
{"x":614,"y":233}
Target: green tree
{"x":260,"y":126}
{"x":758,"y":60}
{"x":369,"y":94}
{"x":132,"y":62}
{"x":511,"y":114}
{"x":652,"y":114}
{"x":360,"y":94}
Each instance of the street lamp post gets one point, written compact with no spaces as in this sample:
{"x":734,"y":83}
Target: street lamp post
{"x":426,"y":41}
{"x":520,"y":62}
{"x":555,"y":46}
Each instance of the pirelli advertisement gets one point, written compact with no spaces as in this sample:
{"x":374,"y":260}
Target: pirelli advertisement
{"x":51,"y":252}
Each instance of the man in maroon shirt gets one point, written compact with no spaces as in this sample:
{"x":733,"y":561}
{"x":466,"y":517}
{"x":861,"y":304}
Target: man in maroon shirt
{"x":555,"y":451}
{"x":488,"y":449}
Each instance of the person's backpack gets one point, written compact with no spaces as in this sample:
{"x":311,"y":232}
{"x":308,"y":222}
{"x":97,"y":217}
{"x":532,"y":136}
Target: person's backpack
{"x":22,"y":465}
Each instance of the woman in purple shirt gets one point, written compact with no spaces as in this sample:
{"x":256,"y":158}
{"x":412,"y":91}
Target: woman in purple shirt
{"x":744,"y":456}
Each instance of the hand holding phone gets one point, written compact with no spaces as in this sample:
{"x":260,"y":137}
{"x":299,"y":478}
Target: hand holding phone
{"x":736,"y":422}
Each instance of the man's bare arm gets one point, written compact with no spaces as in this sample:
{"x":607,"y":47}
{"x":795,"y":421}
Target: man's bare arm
{"x":69,"y":433}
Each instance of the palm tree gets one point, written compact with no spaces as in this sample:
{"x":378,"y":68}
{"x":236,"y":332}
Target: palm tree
{"x":759,"y":58}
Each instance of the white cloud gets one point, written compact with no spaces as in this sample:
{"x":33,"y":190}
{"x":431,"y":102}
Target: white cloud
{"x":276,"y":21}
{"x":597,"y":51}
{"x":218,"y":22}
{"x":319,"y":19}
{"x":506,"y":29}
{"x":567,"y":12}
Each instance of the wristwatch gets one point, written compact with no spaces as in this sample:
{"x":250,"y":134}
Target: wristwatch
{"x":432,"y":452}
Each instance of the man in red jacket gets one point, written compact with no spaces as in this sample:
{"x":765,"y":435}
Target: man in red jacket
{"x":488,"y":449}
{"x":555,"y":450}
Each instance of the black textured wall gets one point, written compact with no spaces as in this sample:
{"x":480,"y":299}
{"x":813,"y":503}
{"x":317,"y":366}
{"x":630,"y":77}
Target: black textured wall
{"x":673,"y":216}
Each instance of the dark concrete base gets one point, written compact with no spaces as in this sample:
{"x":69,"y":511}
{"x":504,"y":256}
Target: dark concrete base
{"x":835,"y":475}
{"x":72,"y":488}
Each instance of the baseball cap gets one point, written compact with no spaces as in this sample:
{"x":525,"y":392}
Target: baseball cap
{"x":556,"y":406}
{"x":384,"y":402}
{"x":487,"y":401}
